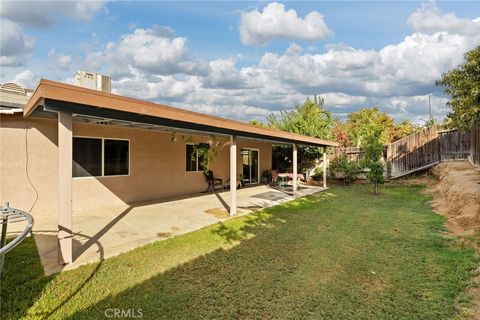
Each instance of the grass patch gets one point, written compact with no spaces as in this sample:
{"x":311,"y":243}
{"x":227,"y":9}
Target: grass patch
{"x":343,"y":253}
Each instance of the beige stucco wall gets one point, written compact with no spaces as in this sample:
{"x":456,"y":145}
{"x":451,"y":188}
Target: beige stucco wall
{"x":157,"y":166}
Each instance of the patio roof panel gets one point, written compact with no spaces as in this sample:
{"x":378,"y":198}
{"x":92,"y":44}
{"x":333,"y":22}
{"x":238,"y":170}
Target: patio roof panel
{"x":59,"y":97}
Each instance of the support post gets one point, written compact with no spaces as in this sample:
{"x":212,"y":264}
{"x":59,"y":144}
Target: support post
{"x":233,"y":175}
{"x":295,"y":169}
{"x":65,"y":155}
{"x":324,"y":168}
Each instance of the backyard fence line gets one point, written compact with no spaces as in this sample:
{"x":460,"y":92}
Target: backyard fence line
{"x":454,"y":145}
{"x":423,"y":149}
{"x":352,"y":153}
{"x":418,"y":150}
{"x":474,"y":156}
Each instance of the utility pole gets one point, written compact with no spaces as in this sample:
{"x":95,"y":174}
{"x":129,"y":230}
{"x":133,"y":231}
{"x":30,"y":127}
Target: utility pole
{"x":430,"y":107}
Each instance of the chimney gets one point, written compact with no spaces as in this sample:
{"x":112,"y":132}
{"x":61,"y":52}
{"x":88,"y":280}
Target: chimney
{"x":92,"y":80}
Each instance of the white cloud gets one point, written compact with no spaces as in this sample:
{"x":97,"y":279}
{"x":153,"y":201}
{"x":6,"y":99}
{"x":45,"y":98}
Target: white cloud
{"x":26,"y":79}
{"x":41,"y":14}
{"x":409,"y":67}
{"x":15,"y":46}
{"x":274,"y":22}
{"x":166,"y":88}
{"x":61,"y":61}
{"x":154,"y":50}
{"x":15,"y":16}
{"x":153,"y":63}
{"x":429,"y":19}
{"x":294,"y":49}
{"x":397,"y":77}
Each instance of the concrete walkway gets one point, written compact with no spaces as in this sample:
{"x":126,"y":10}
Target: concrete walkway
{"x":107,"y":232}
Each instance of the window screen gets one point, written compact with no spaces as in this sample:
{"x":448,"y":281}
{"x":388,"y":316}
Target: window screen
{"x":191,"y":158}
{"x":87,"y":157}
{"x":115,"y":157}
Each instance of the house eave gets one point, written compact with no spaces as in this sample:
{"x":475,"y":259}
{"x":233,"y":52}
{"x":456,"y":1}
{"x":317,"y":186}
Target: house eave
{"x":57,"y":97}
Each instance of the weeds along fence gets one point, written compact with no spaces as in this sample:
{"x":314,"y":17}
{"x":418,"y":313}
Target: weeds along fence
{"x":423,"y":149}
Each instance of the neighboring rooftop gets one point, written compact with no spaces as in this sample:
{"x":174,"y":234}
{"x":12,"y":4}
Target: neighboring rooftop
{"x":13,"y":98}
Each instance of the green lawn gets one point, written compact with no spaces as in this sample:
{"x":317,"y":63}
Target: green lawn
{"x":341,"y":254}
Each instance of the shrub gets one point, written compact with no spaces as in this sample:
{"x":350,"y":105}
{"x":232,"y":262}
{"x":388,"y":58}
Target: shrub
{"x":318,"y":174}
{"x":348,"y":170}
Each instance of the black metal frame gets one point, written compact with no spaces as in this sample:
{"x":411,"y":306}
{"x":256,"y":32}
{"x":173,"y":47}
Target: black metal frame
{"x":12,"y":215}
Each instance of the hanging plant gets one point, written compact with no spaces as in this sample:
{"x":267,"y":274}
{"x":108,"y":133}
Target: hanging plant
{"x":207,"y":153}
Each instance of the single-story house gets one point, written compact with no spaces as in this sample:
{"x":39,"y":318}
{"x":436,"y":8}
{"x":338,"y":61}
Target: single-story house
{"x":74,"y":148}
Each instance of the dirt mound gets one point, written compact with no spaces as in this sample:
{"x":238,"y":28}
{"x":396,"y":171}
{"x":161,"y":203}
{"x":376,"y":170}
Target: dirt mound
{"x":457,"y":195}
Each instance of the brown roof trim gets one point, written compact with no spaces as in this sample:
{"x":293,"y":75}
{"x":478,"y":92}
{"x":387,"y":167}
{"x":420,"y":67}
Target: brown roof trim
{"x":48,"y":89}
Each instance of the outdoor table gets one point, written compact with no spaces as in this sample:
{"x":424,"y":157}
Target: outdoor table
{"x":290,"y":175}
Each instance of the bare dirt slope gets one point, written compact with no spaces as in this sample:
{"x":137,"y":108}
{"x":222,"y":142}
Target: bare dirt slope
{"x":456,"y":190}
{"x":457,"y":195}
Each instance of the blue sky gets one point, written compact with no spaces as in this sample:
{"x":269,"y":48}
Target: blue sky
{"x":231,"y":59}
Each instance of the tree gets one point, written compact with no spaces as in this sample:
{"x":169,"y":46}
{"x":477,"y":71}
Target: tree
{"x":340,"y":134}
{"x":372,"y":145}
{"x":403,"y":129}
{"x":462,"y":84}
{"x":430,"y":123}
{"x":361,"y":123}
{"x":310,"y":119}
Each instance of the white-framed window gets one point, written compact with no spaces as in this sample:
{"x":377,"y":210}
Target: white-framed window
{"x":100,"y":157}
{"x":193,"y":161}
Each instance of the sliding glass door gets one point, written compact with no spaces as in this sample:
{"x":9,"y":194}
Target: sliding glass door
{"x":251,"y":162}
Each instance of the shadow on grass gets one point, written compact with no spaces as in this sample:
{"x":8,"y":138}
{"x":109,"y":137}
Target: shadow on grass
{"x":219,"y":284}
{"x":23,"y":280}
{"x":298,"y":260}
{"x":282,"y":265}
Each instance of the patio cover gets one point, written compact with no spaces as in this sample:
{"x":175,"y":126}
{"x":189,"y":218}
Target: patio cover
{"x":68,"y":103}
{"x":60,"y":97}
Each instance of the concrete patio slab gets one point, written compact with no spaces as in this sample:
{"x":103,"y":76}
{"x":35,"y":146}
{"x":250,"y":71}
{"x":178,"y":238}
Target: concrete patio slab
{"x":107,"y":232}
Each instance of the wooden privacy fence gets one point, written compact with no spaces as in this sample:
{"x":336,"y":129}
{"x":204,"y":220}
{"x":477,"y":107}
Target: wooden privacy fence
{"x":352,"y":153}
{"x":474,"y":156}
{"x":453,"y":145}
{"x":424,"y":149}
{"x":414,"y":152}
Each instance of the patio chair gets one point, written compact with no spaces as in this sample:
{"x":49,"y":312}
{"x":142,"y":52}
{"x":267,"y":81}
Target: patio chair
{"x":212,"y":181}
{"x":282,"y":182}
{"x":277,"y":181}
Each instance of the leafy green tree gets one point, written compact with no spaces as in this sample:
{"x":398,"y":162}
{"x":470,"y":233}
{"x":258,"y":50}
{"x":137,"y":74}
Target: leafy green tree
{"x":462,"y":84}
{"x":430,"y":123}
{"x":372,"y":145}
{"x":403,"y":129}
{"x":361,"y":123}
{"x":310,"y":119}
